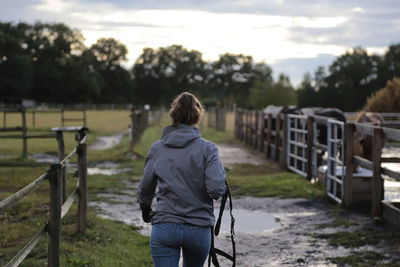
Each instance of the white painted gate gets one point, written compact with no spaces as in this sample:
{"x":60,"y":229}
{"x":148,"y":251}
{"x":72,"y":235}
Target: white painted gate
{"x":297,"y":144}
{"x":336,"y":172}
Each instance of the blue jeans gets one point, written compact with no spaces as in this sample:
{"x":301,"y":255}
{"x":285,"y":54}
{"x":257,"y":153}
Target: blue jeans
{"x":167,"y":239}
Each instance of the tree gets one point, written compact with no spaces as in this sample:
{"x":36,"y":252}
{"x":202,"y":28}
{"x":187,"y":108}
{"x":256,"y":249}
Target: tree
{"x":16,"y":68}
{"x":390,"y":65}
{"x":106,"y":56}
{"x":109,"y":53}
{"x":280,"y":93}
{"x":160,"y":74}
{"x":306,"y":94}
{"x":352,"y":78}
{"x":387,"y":99}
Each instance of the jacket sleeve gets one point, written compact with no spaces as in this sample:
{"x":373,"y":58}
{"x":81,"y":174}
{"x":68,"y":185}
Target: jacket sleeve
{"x":214,"y":174}
{"x":147,"y":186}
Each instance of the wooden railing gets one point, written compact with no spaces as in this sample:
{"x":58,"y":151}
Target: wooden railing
{"x":59,"y":205}
{"x":81,"y":119}
{"x":268,"y":132}
{"x":379,"y":136}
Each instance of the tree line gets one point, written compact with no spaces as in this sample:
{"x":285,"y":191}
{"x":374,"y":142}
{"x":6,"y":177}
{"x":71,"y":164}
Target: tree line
{"x":350,"y":79}
{"x":50,"y":63}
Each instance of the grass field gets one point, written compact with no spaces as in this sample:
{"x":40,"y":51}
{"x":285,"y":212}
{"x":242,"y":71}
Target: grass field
{"x":102,"y":122}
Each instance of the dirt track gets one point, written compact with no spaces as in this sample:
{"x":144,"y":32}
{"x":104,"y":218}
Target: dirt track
{"x":287,"y":242}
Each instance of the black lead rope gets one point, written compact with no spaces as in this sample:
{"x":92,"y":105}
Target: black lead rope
{"x":215,"y":231}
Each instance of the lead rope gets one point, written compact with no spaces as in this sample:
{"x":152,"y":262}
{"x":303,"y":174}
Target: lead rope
{"x":215,"y":231}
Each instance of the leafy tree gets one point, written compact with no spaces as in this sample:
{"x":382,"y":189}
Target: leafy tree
{"x":352,"y":78}
{"x":106,"y":56}
{"x":279,"y":93}
{"x":230,"y":78}
{"x":160,"y":74}
{"x":390,"y":65}
{"x":16,"y":69}
{"x":306,"y":94}
{"x":387,"y":99}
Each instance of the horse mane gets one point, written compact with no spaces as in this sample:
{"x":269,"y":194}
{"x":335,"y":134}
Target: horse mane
{"x":361,"y":116}
{"x":373,"y":117}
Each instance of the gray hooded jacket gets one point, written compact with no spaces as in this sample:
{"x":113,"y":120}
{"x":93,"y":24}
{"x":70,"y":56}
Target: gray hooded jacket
{"x":189,"y":175}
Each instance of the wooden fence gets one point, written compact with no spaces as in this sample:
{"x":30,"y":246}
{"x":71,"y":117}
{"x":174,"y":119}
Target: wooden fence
{"x":22,"y":131}
{"x":265,"y":132}
{"x":275,"y":133}
{"x":216,"y":118}
{"x":139,"y":120}
{"x":59,"y":204}
{"x":379,"y":136}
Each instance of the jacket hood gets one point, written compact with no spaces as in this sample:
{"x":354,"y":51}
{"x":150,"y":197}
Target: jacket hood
{"x":179,"y":135}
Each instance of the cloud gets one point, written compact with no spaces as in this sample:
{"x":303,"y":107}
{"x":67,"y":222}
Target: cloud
{"x":296,"y":35}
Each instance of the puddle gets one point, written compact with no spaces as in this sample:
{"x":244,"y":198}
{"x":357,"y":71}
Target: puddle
{"x":107,"y":168}
{"x":106,"y":142}
{"x":44,"y":158}
{"x":247,"y":221}
{"x":97,"y":170}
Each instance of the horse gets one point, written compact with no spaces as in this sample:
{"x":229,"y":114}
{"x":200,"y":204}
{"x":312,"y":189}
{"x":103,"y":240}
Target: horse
{"x":362,"y":145}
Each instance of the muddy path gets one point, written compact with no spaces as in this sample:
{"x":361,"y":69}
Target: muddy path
{"x":269,"y":231}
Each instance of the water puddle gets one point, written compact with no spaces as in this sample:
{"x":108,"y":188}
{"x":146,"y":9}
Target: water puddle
{"x":106,"y":142}
{"x":44,"y":158}
{"x":97,"y":170}
{"x":247,"y":221}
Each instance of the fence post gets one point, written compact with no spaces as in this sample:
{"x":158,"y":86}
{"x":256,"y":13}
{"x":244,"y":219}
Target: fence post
{"x":269,"y":135}
{"x":235,"y":127}
{"x":33,"y":118}
{"x":283,"y":163}
{"x":24,"y":139}
{"x":349,"y":130}
{"x":62,"y":117}
{"x":131,"y":132}
{"x":310,"y":144}
{"x":377,"y":182}
{"x":277,"y":136}
{"x":4,"y":119}
{"x":82,"y":190}
{"x":84,"y":118}
{"x":54,"y":226}
{"x":262,"y":131}
{"x":61,"y":155}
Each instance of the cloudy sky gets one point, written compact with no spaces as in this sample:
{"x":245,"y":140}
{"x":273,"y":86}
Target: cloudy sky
{"x":292,"y":36}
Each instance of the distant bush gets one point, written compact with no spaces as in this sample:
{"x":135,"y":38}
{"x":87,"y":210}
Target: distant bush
{"x":386,"y":99}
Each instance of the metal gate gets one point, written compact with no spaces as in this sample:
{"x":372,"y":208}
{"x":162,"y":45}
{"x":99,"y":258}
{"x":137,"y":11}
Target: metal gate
{"x":336,"y":172}
{"x":297,"y":144}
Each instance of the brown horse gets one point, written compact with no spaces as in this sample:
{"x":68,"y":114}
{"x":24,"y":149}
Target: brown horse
{"x":363,"y":143}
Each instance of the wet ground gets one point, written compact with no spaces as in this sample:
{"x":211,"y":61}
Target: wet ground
{"x":268,"y":231}
{"x":106,"y":142}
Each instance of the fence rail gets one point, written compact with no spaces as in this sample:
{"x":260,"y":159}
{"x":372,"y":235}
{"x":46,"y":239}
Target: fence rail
{"x":296,"y":142}
{"x":59,"y":205}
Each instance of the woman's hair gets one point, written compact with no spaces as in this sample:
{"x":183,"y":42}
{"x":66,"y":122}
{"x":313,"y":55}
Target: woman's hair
{"x":185,"y":109}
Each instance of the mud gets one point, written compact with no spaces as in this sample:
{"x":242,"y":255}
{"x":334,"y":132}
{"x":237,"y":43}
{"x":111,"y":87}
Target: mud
{"x":233,"y":154}
{"x":269,"y":231}
{"x":106,"y":142}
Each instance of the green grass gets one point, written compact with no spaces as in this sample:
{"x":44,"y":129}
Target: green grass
{"x":281,"y":184}
{"x":362,"y":259}
{"x":106,"y":242}
{"x":357,"y":238}
{"x":103,"y":122}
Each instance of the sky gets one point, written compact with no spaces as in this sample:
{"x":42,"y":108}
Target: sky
{"x":292,"y":36}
